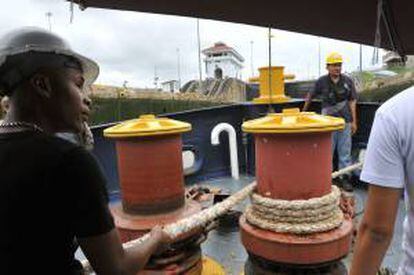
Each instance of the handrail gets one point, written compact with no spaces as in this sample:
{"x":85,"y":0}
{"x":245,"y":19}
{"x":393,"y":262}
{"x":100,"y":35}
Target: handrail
{"x":234,"y":160}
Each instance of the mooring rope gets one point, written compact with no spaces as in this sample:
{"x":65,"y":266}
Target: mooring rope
{"x":305,"y":215}
{"x":299,"y":216}
{"x":332,"y":222}
{"x":313,"y":203}
{"x":296,"y":216}
{"x":204,"y":217}
{"x":195,"y":221}
{"x":347,"y":170}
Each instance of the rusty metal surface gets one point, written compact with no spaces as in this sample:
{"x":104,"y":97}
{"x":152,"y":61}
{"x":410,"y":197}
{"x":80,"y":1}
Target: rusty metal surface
{"x":255,"y":265}
{"x":297,"y":249}
{"x":293,"y":166}
{"x":224,"y":245}
{"x":134,"y":226}
{"x":151,"y":174}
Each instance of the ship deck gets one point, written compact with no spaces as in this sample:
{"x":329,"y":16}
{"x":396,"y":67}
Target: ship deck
{"x":224,"y":246}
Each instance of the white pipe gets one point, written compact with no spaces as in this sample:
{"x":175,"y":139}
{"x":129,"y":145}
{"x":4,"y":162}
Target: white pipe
{"x":234,"y":161}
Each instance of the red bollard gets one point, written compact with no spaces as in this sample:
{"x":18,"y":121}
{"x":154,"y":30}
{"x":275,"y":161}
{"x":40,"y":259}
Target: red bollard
{"x":149,"y":152}
{"x":151,"y":174}
{"x":294,"y":162}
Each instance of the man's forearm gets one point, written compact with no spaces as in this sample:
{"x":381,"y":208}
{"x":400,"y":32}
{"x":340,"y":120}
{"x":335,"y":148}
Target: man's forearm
{"x":376,"y":229}
{"x":307,"y":102}
{"x":369,"y":252}
{"x":352,"y":105}
{"x":138,"y":256}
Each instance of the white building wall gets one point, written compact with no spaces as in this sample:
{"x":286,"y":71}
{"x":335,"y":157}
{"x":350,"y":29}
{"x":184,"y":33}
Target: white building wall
{"x":170,"y":86}
{"x":410,"y":61}
{"x":228,"y":64}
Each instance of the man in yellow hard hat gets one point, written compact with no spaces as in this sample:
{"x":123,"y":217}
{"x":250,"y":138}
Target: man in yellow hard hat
{"x":338,"y":95}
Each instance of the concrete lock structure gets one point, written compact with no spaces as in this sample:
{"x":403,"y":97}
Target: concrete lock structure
{"x":272,"y":85}
{"x":149,"y":153}
{"x":293,"y":172}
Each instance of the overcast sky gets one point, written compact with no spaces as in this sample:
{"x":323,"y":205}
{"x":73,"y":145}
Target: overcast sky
{"x":130,"y":46}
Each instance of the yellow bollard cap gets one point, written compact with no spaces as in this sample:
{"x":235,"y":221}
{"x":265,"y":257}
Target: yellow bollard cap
{"x":147,"y":125}
{"x":212,"y":267}
{"x":293,"y":121}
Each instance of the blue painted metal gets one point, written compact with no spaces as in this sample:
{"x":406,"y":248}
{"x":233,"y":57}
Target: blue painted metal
{"x":104,"y":150}
{"x":198,"y":159}
{"x":214,"y":161}
{"x":366,"y":114}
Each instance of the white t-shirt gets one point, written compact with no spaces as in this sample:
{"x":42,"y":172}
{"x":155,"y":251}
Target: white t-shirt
{"x":389,"y":160}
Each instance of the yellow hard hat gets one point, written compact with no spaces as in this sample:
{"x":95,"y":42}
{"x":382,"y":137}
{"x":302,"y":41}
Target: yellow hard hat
{"x":334,"y":58}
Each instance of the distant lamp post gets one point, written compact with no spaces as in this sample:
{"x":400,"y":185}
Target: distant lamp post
{"x":49,"y":19}
{"x":270,"y":36}
{"x":251,"y":58}
{"x":120,"y":94}
{"x":319,"y":56}
{"x":156,"y":78}
{"x":178,"y":69}
{"x":118,"y":104}
{"x":200,"y":74}
{"x":124,"y":85}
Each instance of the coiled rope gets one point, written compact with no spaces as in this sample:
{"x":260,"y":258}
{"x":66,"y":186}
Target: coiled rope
{"x":299,"y":216}
{"x":296,"y":216}
{"x":207,"y":215}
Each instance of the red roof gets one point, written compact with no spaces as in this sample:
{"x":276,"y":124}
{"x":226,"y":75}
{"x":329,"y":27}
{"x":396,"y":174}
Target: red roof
{"x":218,"y":47}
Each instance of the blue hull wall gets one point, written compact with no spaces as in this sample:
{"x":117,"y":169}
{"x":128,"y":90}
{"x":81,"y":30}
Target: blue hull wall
{"x":214,"y":161}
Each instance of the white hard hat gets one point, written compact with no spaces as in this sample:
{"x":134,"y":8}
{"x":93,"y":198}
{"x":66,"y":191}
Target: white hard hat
{"x":25,"y":50}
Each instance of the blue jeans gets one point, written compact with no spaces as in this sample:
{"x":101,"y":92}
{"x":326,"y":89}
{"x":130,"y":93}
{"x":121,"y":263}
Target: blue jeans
{"x":342,"y":141}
